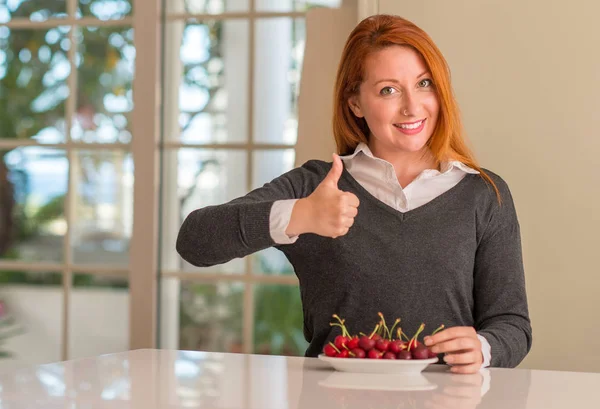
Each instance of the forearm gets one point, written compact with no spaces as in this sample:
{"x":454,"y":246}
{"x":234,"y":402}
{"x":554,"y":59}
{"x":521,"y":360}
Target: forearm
{"x":217,"y":234}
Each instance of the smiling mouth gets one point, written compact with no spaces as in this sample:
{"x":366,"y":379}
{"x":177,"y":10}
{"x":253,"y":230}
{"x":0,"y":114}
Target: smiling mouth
{"x":411,"y":125}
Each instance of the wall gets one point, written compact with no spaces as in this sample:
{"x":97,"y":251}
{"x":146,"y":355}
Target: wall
{"x":527,"y":77}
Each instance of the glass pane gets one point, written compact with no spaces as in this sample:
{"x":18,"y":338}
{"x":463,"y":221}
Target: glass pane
{"x":278,"y":320}
{"x":210,"y":6}
{"x":30,"y":318}
{"x":269,"y":164}
{"x":33,"y":83}
{"x":105,"y":63}
{"x":105,"y":9}
{"x":207,"y":79}
{"x":294,"y":5}
{"x":35,"y":10}
{"x":210,"y":316}
{"x":103,"y":206}
{"x":271,"y":262}
{"x":33,"y":186}
{"x":98,"y":316}
{"x":278,"y":63}
{"x":203,"y":178}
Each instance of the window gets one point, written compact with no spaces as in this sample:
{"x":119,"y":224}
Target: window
{"x":232,"y":71}
{"x":66,"y":177}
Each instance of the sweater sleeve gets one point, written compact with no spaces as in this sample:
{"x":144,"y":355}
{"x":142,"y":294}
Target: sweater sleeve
{"x":217,"y":234}
{"x":501,"y":309}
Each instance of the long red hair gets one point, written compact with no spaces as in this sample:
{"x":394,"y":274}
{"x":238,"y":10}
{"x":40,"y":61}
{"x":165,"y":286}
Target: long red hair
{"x":373,"y":34}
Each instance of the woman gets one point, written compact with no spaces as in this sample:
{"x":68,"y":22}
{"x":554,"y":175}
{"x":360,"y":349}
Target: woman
{"x":404,"y":222}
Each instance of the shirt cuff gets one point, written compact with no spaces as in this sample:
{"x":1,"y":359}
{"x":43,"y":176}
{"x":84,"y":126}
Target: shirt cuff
{"x":279,"y":219}
{"x":486,"y":350}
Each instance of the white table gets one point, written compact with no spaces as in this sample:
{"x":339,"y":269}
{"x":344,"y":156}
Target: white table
{"x":152,"y":379}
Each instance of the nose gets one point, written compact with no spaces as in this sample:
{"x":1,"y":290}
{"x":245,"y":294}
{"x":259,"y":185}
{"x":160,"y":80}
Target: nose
{"x":409,"y":104}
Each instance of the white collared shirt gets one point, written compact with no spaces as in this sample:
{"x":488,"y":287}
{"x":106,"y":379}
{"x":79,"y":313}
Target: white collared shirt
{"x":378,"y":177}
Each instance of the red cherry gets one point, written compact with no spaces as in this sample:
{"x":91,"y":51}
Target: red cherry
{"x":375,"y":354}
{"x":358,"y":353}
{"x":420,"y":352}
{"x":395,"y":346}
{"x":389,"y":355}
{"x":343,"y":354}
{"x":404,"y":354}
{"x":329,"y":350}
{"x":432,"y":354}
{"x":382,"y":345}
{"x":340,"y":342}
{"x":366,"y":343}
{"x":353,"y":343}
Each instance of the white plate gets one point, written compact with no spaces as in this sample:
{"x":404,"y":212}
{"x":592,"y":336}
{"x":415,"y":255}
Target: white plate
{"x":378,"y":382}
{"x":385,"y":366}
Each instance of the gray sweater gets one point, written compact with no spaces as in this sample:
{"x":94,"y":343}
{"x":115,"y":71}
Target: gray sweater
{"x":454,"y":261}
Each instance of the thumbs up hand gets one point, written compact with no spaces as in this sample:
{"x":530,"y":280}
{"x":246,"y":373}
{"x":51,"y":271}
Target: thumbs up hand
{"x":328,"y":211}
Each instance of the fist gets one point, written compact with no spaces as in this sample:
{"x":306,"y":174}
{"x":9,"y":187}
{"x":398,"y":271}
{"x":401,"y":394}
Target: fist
{"x":332,"y":210}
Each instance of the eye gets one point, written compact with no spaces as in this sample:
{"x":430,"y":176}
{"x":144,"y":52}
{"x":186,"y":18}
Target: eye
{"x":387,"y":91}
{"x":425,"y":83}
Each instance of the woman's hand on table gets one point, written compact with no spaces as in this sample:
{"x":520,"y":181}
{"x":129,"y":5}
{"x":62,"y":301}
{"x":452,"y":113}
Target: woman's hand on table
{"x":461,"y":346}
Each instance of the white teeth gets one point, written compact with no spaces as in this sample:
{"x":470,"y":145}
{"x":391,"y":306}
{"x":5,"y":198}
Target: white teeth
{"x":412,"y":126}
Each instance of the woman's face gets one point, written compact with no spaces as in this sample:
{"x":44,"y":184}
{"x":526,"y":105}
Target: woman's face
{"x":398,"y":100}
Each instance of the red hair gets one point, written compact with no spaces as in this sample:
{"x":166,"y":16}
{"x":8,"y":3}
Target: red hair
{"x":373,"y":34}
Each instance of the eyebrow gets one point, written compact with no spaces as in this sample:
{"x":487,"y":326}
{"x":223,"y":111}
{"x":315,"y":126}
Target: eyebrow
{"x":393,"y":80}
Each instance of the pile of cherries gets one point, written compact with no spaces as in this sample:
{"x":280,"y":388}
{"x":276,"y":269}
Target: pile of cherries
{"x":380,"y":344}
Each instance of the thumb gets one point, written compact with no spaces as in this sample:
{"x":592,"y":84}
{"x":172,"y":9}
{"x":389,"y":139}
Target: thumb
{"x":336,"y":171}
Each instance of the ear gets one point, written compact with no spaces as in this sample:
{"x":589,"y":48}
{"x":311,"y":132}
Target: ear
{"x":355,"y":107}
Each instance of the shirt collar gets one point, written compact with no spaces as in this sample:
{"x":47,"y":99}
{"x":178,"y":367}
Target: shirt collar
{"x":445,"y":167}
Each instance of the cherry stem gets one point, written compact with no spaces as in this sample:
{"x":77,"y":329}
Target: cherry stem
{"x":401,"y":333}
{"x":441,"y":327}
{"x":386,"y":331}
{"x":415,"y":337}
{"x":344,"y":330}
{"x":374,"y":331}
{"x":334,"y":347}
{"x":341,"y":325}
{"x":394,"y":326}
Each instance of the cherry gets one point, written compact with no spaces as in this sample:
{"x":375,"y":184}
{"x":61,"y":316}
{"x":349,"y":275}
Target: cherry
{"x":368,"y":342}
{"x":340,"y":342}
{"x":396,"y":346}
{"x":389,"y":355}
{"x":420,"y":352}
{"x":353,"y":342}
{"x":382,"y":345}
{"x":330,"y":350}
{"x":358,"y":353}
{"x":375,"y":354}
{"x":343,"y":354}
{"x":404,"y":354}
{"x":431,"y":354}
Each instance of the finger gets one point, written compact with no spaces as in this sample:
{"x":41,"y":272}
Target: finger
{"x":470,"y":357}
{"x":465,"y":369}
{"x":450,"y":333}
{"x":339,"y":232}
{"x":348,"y":222}
{"x":352,"y":199}
{"x":335,"y":172}
{"x":456,"y":345}
{"x":350,"y":212}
